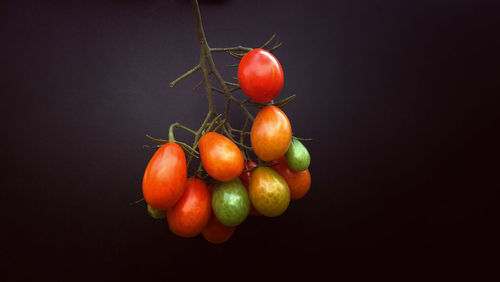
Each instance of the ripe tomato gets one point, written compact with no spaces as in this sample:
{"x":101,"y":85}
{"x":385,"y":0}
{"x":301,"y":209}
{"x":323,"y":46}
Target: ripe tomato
{"x":260,"y":75}
{"x":269,"y":192}
{"x":164,"y":178}
{"x":193,"y":210}
{"x":230,"y":202}
{"x":271,"y":133}
{"x":298,"y":182}
{"x":221,"y":158}
{"x":245,"y":180}
{"x":216,"y":232}
{"x":297,"y":156}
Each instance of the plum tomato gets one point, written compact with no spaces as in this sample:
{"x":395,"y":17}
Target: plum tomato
{"x":298,"y":182}
{"x":268,"y":192}
{"x":271,"y":133}
{"x":216,"y":232}
{"x":221,"y":158}
{"x":193,"y":210}
{"x":260,"y":75}
{"x":297,"y":156}
{"x":230,"y":202}
{"x":164,"y":178}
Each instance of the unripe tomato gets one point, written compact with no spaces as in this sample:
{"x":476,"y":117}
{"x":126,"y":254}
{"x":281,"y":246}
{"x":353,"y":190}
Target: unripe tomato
{"x":230,"y":202}
{"x":216,"y":232}
{"x":193,"y":210}
{"x":297,"y":156}
{"x":298,"y":182}
{"x":221,"y":158}
{"x":164,"y":178}
{"x":155,"y":213}
{"x":271,"y":133}
{"x":245,"y":180}
{"x":260,"y":75}
{"x":269,"y":192}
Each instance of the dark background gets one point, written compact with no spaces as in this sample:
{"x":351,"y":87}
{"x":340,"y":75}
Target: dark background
{"x":398,"y":96}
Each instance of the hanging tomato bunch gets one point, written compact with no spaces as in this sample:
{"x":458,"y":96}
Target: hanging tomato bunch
{"x":232,"y":180}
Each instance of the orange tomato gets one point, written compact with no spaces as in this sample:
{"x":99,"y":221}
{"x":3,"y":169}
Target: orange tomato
{"x":298,"y":182}
{"x":216,"y":232}
{"x":271,"y":133}
{"x":221,"y":158}
{"x":268,"y":192}
{"x":192,"y":212}
{"x":164,"y":178}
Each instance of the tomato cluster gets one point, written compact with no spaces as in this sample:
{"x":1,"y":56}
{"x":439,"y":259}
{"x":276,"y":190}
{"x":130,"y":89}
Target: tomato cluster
{"x":235,"y":186}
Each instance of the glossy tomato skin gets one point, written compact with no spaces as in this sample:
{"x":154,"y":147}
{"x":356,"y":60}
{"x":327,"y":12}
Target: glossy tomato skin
{"x":299,"y":182}
{"x":221,"y":158}
{"x":215,"y":232}
{"x":268,"y":192}
{"x":230,"y":202}
{"x":193,"y":210}
{"x":297,"y":156}
{"x":245,"y":180}
{"x":164,"y":178}
{"x":260,"y":75}
{"x":271,"y":133}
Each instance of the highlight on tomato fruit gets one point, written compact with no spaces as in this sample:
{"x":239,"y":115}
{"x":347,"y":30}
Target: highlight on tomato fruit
{"x":221,"y":158}
{"x":164,"y":178}
{"x":297,"y":156}
{"x":245,"y":180}
{"x":230,"y":202}
{"x":193,"y":210}
{"x":268,"y":192}
{"x":216,"y":232}
{"x":260,"y":75}
{"x":271,"y":133}
{"x":298,"y":182}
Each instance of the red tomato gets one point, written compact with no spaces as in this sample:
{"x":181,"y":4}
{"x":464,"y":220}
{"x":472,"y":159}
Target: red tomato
{"x":298,"y":182}
{"x":271,"y":133}
{"x":221,"y":158}
{"x":216,"y":232}
{"x":192,"y":212}
{"x":245,"y":180}
{"x":260,"y":75}
{"x":245,"y":176}
{"x":164,"y":178}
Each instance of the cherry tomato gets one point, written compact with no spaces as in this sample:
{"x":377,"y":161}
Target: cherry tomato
{"x":164,"y":178}
{"x":245,"y":180}
{"x":271,"y":133}
{"x":216,"y":232}
{"x":230,"y":202}
{"x":269,"y":192}
{"x":297,"y":156}
{"x":298,"y":182}
{"x":193,"y":210}
{"x":221,"y":158}
{"x":260,"y":75}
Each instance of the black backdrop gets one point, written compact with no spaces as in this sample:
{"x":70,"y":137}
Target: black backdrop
{"x":398,"y":96}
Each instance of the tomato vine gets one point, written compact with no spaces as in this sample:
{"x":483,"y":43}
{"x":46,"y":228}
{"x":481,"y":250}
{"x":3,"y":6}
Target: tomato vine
{"x":215,"y":121}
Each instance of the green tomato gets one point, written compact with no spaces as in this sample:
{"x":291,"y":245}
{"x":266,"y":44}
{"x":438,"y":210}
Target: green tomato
{"x":156,"y":213}
{"x":230,"y":202}
{"x":297,"y":156}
